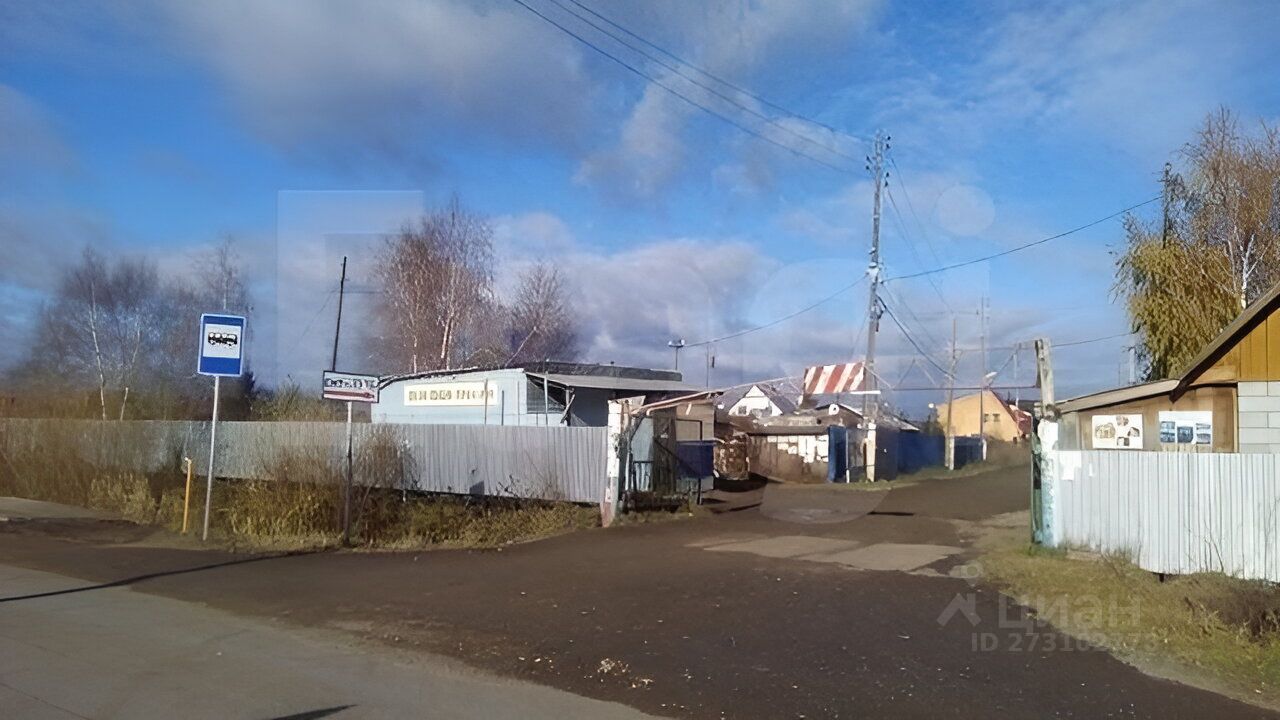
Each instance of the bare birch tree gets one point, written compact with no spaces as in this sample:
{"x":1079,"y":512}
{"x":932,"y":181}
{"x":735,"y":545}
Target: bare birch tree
{"x":105,"y":322}
{"x":1215,"y":250}
{"x":437,"y":281}
{"x":542,"y":323}
{"x":220,"y":274}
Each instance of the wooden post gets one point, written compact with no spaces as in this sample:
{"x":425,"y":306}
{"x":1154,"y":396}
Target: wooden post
{"x":186,"y":499}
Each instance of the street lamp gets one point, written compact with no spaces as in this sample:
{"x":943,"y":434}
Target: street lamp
{"x":676,"y":345}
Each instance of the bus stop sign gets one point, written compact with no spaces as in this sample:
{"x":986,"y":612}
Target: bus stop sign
{"x":221,"y":345}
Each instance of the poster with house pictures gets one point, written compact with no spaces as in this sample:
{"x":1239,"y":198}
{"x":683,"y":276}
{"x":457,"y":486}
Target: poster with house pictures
{"x":1186,"y":427}
{"x":1117,"y":432}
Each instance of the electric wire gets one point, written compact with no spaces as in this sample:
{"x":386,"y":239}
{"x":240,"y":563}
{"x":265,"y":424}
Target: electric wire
{"x":889,"y":311}
{"x":722,"y":81}
{"x":782,"y":319}
{"x":1024,"y":246}
{"x":729,"y":99}
{"x":694,"y":103}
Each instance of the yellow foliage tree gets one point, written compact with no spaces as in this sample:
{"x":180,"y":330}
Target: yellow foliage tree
{"x":1216,"y":251}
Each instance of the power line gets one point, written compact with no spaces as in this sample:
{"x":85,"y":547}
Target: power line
{"x":721,"y":80}
{"x":912,"y":340}
{"x":307,"y":328}
{"x":642,"y":74}
{"x":911,"y":314}
{"x":676,"y":69}
{"x":1024,"y":246}
{"x":1092,"y":340}
{"x":1056,"y":345}
{"x":782,"y":319}
{"x":902,"y":225}
{"x":911,"y":206}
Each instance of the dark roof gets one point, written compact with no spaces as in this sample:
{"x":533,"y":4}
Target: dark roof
{"x":781,"y":392}
{"x":551,"y":367}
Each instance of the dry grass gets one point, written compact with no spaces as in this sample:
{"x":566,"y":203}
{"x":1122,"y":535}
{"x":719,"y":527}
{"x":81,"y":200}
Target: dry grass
{"x":1208,"y":630}
{"x":298,"y":501}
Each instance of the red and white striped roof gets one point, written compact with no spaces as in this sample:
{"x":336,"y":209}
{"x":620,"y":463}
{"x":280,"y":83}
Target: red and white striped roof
{"x":830,"y":379}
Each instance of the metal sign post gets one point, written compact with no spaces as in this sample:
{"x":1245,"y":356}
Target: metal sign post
{"x":221,"y":355}
{"x":351,"y":388}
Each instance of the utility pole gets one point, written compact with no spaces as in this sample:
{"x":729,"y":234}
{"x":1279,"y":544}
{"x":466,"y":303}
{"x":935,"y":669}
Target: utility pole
{"x":333,"y":367}
{"x":871,"y":401}
{"x":1017,"y":393}
{"x":949,"y":451}
{"x":982,"y":392}
{"x":342,"y":286}
{"x":1166,"y":180}
{"x":711,"y":363}
{"x":1044,"y":422}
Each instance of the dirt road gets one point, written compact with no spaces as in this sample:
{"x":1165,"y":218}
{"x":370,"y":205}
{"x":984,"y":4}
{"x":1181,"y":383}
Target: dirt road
{"x":742,"y":615}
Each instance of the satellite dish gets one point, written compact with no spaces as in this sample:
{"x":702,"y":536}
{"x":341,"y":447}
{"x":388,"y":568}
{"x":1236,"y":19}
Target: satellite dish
{"x":833,"y":409}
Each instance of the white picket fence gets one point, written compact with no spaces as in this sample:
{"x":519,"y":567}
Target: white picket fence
{"x":1176,"y":513}
{"x":554,"y":463}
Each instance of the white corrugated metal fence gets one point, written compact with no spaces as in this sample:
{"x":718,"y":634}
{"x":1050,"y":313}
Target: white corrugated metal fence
{"x":1175,"y":513}
{"x":556,"y":463}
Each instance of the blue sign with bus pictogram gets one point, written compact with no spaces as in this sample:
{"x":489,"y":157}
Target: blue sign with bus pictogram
{"x":221,"y":345}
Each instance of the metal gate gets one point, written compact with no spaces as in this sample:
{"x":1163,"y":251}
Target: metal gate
{"x":662,"y":471}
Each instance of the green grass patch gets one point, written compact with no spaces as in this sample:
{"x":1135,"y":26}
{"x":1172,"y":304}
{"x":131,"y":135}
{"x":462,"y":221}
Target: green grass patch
{"x":1207,"y":630}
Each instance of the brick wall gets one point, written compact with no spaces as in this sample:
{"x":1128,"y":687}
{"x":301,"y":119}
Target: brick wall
{"x":1259,"y":419}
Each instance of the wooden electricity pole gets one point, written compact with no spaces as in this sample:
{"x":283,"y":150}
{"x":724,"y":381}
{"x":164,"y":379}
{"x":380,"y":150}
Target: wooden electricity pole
{"x":333,"y":366}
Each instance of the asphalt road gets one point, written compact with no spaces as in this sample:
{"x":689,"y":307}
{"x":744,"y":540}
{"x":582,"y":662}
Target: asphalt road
{"x":718,"y":617}
{"x":68,"y":652}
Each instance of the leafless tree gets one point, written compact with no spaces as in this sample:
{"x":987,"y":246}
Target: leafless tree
{"x":542,"y":323}
{"x":1231,"y":201}
{"x":437,"y":282}
{"x":105,"y":323}
{"x":220,"y":274}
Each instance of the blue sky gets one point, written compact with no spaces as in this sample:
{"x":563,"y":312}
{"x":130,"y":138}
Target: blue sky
{"x":157,"y":128}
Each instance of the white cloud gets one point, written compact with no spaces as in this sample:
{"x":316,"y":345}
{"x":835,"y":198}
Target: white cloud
{"x":733,"y":41}
{"x":1138,"y":76}
{"x":649,"y":154}
{"x":393,"y":80}
{"x":32,"y":150}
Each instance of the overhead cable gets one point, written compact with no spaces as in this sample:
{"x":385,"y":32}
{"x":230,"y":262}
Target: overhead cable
{"x":649,"y":78}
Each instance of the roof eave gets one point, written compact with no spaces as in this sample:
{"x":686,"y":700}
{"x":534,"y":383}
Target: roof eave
{"x":1244,"y":323}
{"x":1117,"y":396}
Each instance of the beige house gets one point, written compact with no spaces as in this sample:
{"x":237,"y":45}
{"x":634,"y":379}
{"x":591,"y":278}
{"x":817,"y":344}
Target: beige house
{"x":1002,"y":421}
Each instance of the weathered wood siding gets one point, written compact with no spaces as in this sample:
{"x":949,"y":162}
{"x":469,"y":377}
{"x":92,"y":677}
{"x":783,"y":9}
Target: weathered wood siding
{"x":1221,"y":400}
{"x":1255,"y":357}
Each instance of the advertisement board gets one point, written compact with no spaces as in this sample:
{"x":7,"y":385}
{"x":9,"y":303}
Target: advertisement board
{"x":1117,"y":432}
{"x":1186,"y":427}
{"x":455,"y":394}
{"x":351,"y":387}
